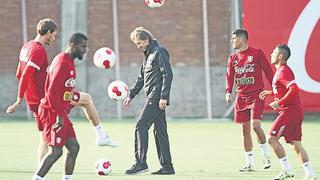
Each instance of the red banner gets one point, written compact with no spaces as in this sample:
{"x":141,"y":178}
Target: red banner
{"x":296,"y":23}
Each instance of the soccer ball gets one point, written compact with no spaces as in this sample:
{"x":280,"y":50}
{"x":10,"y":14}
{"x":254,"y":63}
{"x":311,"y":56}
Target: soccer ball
{"x":104,"y":58}
{"x":103,"y":167}
{"x":118,"y":90}
{"x":154,"y":3}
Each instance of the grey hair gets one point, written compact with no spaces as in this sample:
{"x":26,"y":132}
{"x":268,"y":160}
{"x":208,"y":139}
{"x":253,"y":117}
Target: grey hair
{"x":140,"y":33}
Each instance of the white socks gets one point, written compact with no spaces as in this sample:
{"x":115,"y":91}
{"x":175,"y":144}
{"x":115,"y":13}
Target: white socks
{"x":285,"y":164}
{"x":308,"y":169}
{"x":100,"y":131}
{"x":67,"y":177}
{"x":265,"y":150}
{"x":249,"y":157}
{"x":36,"y":177}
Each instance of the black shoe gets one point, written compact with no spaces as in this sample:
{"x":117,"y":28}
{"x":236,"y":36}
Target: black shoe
{"x":137,"y":168}
{"x":164,"y":171}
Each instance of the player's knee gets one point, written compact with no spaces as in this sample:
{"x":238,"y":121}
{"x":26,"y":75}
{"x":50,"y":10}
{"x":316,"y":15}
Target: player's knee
{"x":56,"y":154}
{"x":271,"y":140}
{"x":86,"y":98}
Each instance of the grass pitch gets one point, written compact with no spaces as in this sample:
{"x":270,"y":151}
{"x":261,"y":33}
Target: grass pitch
{"x":200,"y":150}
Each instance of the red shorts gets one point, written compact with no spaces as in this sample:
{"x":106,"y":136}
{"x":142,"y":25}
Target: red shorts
{"x":288,"y":124}
{"x":52,"y":136}
{"x":37,"y":119}
{"x":248,"y":107}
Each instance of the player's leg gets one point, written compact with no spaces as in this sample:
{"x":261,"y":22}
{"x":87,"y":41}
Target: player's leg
{"x":248,"y":146}
{"x":256,"y":117}
{"x":261,"y":137}
{"x":304,"y":158}
{"x":286,"y":171}
{"x":162,"y":144}
{"x":279,"y":128}
{"x":43,"y":147}
{"x":73,"y":148}
{"x":85,"y":101}
{"x":51,"y":157}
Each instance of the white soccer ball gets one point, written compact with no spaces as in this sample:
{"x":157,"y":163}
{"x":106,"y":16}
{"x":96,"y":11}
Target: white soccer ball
{"x":104,"y":58}
{"x":103,"y":167}
{"x":154,"y":3}
{"x":118,"y":90}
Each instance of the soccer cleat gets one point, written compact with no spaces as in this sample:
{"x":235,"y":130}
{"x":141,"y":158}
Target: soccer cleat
{"x":137,"y":168}
{"x":266,"y":164}
{"x":284,"y":175}
{"x":309,"y":178}
{"x":106,"y":141}
{"x":247,"y":168}
{"x":164,"y":171}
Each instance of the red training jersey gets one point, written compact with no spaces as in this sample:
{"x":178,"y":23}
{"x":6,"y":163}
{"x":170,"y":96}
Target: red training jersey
{"x":245,"y":70}
{"x":59,"y":85}
{"x":282,"y":80}
{"x":31,"y":73}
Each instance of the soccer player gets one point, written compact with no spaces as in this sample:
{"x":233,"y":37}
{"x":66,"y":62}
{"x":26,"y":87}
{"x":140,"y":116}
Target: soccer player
{"x":289,"y":121}
{"x":55,"y":106}
{"x":245,"y":68}
{"x":32,"y":72}
{"x":156,"y":77}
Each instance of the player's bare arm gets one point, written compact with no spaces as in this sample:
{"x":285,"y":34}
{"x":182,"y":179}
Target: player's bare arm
{"x":228,"y":97}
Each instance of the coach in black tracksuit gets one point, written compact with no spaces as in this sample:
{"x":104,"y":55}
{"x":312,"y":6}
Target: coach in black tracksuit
{"x":156,"y":77}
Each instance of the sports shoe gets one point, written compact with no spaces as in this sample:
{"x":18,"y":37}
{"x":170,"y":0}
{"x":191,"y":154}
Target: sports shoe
{"x":137,"y":168}
{"x":309,"y":178}
{"x":164,"y":171}
{"x":247,"y":168}
{"x":266,"y":164}
{"x":283,"y":175}
{"x":106,"y":141}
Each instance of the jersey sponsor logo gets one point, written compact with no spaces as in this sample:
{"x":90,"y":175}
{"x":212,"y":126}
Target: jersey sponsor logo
{"x":58,"y":140}
{"x":244,"y":80}
{"x":67,"y":96}
{"x":23,"y":55}
{"x":71,"y":82}
{"x":235,"y":62}
{"x":32,"y":64}
{"x":248,"y":68}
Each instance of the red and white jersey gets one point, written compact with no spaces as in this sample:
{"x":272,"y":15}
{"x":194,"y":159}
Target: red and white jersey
{"x":31,"y":73}
{"x":282,"y":79}
{"x":60,"y":84}
{"x":245,"y":70}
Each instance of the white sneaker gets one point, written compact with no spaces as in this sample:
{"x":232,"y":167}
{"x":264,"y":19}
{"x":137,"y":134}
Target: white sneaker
{"x":266,"y":164}
{"x":309,"y":178}
{"x":106,"y":141}
{"x":283,"y":175}
{"x":247,"y":168}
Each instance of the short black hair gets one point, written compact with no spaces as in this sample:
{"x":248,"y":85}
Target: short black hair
{"x":285,"y":50}
{"x":241,"y":33}
{"x":77,"y":38}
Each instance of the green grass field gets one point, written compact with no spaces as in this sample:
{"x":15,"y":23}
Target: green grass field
{"x":200,"y":150}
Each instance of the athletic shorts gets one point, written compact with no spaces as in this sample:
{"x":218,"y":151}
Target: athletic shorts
{"x":54,"y":137}
{"x":37,"y":119}
{"x":288,"y":124}
{"x":248,"y":107}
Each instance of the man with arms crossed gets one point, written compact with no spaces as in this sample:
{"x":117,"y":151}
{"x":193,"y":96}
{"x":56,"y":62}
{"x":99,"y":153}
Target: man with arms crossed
{"x":32,"y":72}
{"x":245,"y":70}
{"x":289,"y":121}
{"x":54,"y":107}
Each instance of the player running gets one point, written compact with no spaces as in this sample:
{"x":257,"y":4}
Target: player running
{"x":289,"y":121}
